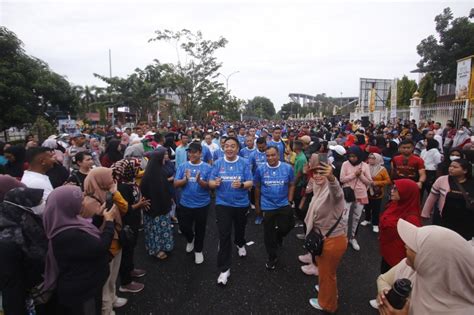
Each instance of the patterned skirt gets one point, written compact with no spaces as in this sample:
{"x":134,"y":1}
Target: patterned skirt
{"x":158,"y":234}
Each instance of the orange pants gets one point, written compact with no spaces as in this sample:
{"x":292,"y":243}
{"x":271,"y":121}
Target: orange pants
{"x":334,"y":248}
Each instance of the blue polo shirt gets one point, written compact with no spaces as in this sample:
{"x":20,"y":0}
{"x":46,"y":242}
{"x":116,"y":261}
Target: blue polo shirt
{"x":274,"y":183}
{"x":281,"y":148}
{"x":228,"y":172}
{"x":245,"y":152}
{"x":192,"y":194}
{"x":241,"y":140}
{"x":257,"y":159}
{"x":206,"y":154}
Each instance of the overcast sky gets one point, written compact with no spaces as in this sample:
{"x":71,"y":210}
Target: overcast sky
{"x":279,"y":47}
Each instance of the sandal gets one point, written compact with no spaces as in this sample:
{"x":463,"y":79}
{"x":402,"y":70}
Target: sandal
{"x":161,"y":255}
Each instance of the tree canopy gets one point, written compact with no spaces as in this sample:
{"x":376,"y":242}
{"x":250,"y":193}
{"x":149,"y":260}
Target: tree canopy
{"x":28,"y":87}
{"x":455,"y":41}
{"x":260,"y":107}
{"x":405,"y":90}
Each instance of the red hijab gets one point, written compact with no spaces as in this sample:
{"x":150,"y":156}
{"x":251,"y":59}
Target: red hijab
{"x":408,"y":208}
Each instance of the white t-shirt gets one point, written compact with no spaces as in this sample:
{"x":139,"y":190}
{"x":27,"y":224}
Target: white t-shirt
{"x":212,"y":147}
{"x":431,"y":158}
{"x":37,"y":180}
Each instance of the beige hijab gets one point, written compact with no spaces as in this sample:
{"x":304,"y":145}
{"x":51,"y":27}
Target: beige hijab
{"x":444,"y":266}
{"x":96,"y":185}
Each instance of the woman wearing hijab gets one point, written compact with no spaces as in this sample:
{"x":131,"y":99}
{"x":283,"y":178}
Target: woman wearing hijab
{"x":450,"y":194}
{"x":444,"y":272}
{"x":461,"y":138}
{"x":77,"y":259}
{"x":125,"y":172}
{"x":325,"y":211}
{"x":355,"y":173}
{"x":157,"y":223}
{"x":98,"y":183}
{"x":380,"y":179}
{"x":113,"y":153}
{"x":405,"y":204}
{"x":16,"y":161}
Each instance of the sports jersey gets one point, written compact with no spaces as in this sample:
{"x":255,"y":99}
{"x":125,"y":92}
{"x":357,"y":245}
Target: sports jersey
{"x":192,"y":194}
{"x":228,"y":172}
{"x":274,"y":182}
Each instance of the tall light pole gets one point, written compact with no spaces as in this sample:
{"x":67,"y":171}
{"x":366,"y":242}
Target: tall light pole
{"x":227,"y":77}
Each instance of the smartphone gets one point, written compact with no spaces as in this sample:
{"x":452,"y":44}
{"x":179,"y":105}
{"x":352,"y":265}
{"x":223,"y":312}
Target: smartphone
{"x":109,"y":200}
{"x":323,"y":157}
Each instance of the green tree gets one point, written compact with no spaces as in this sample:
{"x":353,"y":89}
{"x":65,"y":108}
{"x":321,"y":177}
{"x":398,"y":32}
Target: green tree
{"x":426,"y":89}
{"x":193,"y":80}
{"x":28,"y":87}
{"x":261,"y":107}
{"x":456,"y":40}
{"x":405,"y":90}
{"x":288,"y":109}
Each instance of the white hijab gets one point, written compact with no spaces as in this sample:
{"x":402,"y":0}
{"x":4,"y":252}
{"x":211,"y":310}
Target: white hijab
{"x":444,"y":266}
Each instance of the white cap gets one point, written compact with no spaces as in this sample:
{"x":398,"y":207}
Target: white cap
{"x":339,"y":149}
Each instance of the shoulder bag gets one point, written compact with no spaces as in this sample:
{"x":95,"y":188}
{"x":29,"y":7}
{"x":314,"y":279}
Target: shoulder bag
{"x":314,"y":241}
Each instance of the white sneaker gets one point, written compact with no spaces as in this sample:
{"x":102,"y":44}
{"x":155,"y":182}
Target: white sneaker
{"x":190,"y":247}
{"x":354,"y":244}
{"x":119,"y":302}
{"x":198,"y":258}
{"x":365,"y":223}
{"x":317,"y":287}
{"x":223,"y":277}
{"x":375,"y":228}
{"x":301,"y":236}
{"x":310,"y":270}
{"x":242,"y":251}
{"x":374,"y":304}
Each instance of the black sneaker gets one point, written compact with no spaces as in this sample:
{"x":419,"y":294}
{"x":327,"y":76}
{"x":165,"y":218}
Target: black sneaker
{"x":271,"y":264}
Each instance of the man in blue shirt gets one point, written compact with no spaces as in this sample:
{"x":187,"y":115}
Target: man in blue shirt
{"x":219,"y":153}
{"x":206,"y":155}
{"x":192,"y":177}
{"x":274,"y":190}
{"x":258,"y":157}
{"x":181,"y":153}
{"x":277,"y":142}
{"x":241,"y":137}
{"x":231,"y":178}
{"x":249,"y":147}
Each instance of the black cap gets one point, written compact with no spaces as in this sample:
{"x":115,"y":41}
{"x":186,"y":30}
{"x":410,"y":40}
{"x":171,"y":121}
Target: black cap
{"x":194,"y":146}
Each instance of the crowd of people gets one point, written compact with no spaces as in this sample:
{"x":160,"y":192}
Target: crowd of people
{"x":99,"y":188}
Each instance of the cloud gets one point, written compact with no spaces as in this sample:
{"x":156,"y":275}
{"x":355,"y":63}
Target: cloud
{"x":279,"y":47}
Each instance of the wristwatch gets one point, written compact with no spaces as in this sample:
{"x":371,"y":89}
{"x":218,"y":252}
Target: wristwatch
{"x":241,"y":185}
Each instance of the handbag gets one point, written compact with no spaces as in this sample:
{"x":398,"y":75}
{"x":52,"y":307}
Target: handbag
{"x":469,"y":201}
{"x":375,"y":192}
{"x":314,"y":241}
{"x":349,"y":194}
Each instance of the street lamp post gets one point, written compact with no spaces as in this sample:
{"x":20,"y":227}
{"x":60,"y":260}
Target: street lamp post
{"x":227,"y":77}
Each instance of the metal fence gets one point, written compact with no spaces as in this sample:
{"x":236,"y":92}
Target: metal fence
{"x":14,"y":135}
{"x":444,"y":111}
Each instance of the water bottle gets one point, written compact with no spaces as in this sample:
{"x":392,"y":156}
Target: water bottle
{"x":397,"y":296}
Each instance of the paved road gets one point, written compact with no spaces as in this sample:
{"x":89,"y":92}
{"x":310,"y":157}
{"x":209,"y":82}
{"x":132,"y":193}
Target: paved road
{"x":178,"y":286}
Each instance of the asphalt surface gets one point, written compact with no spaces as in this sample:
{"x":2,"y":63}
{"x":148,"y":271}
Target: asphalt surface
{"x":178,"y":286}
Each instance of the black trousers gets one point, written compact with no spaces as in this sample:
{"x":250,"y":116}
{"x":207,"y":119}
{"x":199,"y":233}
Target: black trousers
{"x":126,"y":264}
{"x":225,"y":218}
{"x":12,"y":280}
{"x":372,"y":211}
{"x":430,"y":179}
{"x":277,"y":224}
{"x":92,"y":306}
{"x":197,"y":218}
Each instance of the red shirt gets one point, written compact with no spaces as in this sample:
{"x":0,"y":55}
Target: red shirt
{"x":407,"y":167}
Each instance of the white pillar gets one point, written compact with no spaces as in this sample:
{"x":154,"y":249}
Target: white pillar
{"x":415,"y":107}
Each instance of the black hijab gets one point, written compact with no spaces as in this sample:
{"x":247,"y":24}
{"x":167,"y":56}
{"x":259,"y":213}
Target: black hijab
{"x":15,"y":169}
{"x":112,"y":151}
{"x":391,"y":150}
{"x":154,"y":185}
{"x":357,"y":152}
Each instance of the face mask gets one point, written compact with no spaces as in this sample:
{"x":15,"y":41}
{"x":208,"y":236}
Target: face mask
{"x":454,"y":157}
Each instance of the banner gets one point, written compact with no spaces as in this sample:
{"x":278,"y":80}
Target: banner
{"x":463,"y":78}
{"x":393,"y":98}
{"x":372,"y":100}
